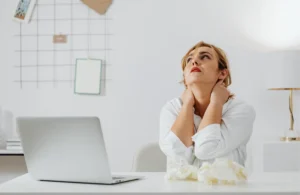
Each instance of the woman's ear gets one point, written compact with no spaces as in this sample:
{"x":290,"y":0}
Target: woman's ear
{"x":223,"y":74}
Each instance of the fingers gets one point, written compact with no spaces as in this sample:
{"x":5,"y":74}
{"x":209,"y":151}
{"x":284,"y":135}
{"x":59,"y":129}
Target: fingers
{"x":220,"y":83}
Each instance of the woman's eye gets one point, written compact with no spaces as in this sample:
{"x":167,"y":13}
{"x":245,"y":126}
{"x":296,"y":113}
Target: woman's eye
{"x":204,"y":56}
{"x":188,"y":60}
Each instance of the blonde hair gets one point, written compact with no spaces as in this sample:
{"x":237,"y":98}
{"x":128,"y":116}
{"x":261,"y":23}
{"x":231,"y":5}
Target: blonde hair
{"x":222,"y":60}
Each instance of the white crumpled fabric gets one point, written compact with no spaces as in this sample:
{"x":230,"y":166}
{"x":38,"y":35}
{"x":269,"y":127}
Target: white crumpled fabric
{"x":221,"y":171}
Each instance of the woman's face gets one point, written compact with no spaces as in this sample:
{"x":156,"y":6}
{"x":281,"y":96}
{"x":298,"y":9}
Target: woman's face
{"x":201,"y":66}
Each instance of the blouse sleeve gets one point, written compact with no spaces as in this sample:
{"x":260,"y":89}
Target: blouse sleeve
{"x":217,"y":140}
{"x":169,"y":143}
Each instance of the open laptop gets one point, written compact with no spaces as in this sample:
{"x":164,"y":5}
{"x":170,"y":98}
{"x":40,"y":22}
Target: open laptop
{"x":67,"y":149}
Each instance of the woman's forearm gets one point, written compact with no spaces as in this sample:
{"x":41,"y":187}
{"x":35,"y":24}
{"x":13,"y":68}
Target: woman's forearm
{"x":183,"y":126}
{"x":213,"y":115}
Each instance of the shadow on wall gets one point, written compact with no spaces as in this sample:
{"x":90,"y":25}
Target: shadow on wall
{"x":7,"y":127}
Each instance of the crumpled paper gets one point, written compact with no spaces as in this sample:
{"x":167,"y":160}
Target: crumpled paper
{"x":221,"y":171}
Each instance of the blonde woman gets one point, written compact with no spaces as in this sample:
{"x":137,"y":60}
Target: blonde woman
{"x":207,"y":122}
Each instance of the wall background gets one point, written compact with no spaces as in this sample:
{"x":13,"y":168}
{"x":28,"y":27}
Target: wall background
{"x":149,"y":39}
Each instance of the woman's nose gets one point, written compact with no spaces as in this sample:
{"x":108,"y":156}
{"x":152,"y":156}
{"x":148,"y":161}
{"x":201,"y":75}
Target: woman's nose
{"x":194,"y":63}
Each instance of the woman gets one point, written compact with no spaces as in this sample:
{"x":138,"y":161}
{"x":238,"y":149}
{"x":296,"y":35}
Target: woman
{"x":207,"y":122}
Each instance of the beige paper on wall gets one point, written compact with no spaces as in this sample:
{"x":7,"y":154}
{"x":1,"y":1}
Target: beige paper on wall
{"x":59,"y":38}
{"x":100,"y":6}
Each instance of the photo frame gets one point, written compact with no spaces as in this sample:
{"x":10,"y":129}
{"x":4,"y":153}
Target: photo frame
{"x":88,"y":76}
{"x":24,"y":10}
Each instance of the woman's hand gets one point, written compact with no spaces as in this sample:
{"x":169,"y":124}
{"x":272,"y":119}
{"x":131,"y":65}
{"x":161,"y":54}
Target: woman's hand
{"x":220,"y":93}
{"x":188,"y":98}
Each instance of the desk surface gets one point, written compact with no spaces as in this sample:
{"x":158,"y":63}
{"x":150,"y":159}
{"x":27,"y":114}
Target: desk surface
{"x":155,"y":182}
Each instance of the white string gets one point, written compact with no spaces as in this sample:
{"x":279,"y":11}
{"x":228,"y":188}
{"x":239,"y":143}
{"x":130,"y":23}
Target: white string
{"x":89,"y":30}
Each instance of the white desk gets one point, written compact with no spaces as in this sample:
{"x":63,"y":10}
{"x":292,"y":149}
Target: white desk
{"x":11,"y":153}
{"x":283,"y":183}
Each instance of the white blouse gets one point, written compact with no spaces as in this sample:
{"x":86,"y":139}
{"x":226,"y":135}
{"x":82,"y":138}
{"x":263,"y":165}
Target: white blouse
{"x":228,"y":139}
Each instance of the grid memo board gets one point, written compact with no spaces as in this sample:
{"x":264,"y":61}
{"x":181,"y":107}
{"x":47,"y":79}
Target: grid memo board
{"x":38,"y":61}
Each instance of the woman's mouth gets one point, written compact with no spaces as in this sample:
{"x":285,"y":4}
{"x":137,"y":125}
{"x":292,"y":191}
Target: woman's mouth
{"x":195,"y":69}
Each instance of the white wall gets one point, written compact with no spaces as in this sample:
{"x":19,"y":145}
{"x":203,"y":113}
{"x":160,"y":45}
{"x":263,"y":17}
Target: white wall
{"x":150,"y":37}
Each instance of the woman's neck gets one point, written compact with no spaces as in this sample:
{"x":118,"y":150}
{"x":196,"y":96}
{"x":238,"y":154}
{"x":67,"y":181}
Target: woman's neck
{"x":202,"y":95}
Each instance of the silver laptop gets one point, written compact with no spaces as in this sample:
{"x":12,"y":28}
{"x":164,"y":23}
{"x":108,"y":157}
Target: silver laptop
{"x":67,"y":149}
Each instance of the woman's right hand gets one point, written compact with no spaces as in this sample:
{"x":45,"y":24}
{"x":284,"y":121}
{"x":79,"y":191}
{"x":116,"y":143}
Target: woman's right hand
{"x":188,"y":98}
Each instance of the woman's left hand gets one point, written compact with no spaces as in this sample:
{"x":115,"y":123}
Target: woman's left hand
{"x":220,"y":93}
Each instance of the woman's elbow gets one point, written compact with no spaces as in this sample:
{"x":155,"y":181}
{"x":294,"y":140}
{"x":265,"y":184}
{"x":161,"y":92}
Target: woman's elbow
{"x":207,"y":152}
{"x":168,"y":148}
{"x":165,"y":148}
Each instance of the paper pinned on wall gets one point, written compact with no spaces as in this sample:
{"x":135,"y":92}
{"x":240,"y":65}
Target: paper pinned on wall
{"x":100,"y":6}
{"x":88,"y":76}
{"x":59,"y":39}
{"x":24,"y":10}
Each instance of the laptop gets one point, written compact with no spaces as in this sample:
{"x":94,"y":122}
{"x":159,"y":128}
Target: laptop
{"x":66,"y":149}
